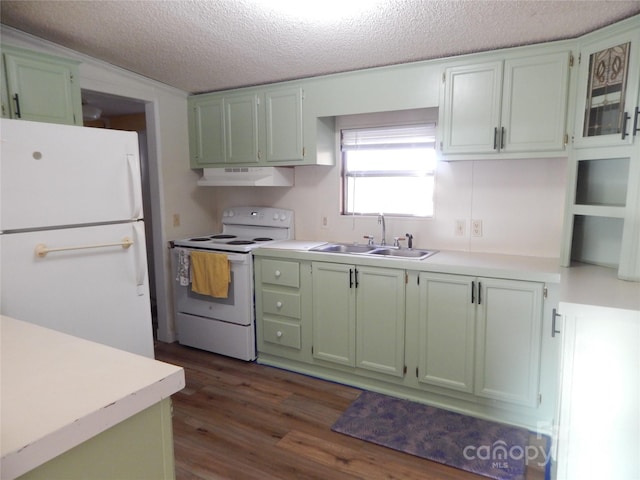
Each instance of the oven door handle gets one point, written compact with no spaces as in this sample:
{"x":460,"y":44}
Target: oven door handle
{"x":236,"y":257}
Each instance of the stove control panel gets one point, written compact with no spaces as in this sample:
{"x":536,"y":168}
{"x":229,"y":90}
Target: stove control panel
{"x":258,"y":216}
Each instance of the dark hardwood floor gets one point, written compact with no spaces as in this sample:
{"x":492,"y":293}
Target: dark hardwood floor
{"x":239,"y":420}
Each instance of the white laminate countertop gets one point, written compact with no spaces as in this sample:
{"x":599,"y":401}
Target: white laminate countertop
{"x":599,"y":286}
{"x":445,"y":261}
{"x":58,"y":391}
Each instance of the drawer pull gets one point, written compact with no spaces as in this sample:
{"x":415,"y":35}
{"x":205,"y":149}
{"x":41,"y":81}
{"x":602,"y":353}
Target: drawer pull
{"x":278,"y":273}
{"x":279,"y":334}
{"x":279,"y":304}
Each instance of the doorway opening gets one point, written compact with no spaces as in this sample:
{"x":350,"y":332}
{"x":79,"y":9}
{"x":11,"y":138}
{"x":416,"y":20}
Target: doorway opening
{"x":103,"y":110}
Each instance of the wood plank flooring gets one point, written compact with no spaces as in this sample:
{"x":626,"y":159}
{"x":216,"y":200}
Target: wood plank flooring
{"x":240,"y":420}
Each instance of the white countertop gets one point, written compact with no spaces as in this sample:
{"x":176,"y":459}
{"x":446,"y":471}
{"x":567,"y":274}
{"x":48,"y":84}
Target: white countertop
{"x":599,"y":286}
{"x":58,"y":391}
{"x":445,"y":261}
{"x":581,"y":283}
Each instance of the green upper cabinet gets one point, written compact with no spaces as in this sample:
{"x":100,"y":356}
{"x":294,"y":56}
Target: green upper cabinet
{"x":608,"y":83}
{"x":40,"y":87}
{"x":206,"y":132}
{"x":283,"y":123}
{"x":241,"y":129}
{"x":515,"y":105}
{"x":252,"y":127}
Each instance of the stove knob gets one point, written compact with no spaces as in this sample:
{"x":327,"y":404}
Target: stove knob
{"x":230,"y":213}
{"x":275,"y":216}
{"x":283,"y":217}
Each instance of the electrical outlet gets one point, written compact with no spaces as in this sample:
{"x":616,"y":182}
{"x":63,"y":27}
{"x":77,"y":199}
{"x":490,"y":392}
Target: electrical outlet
{"x":461,"y":226}
{"x":176,"y":219}
{"x":476,"y":228}
{"x":324,"y":222}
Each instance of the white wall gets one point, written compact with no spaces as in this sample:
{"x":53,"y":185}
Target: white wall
{"x":173,"y":183}
{"x":520,"y":203}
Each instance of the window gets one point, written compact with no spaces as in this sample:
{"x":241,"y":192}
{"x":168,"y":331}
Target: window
{"x":388,"y":170}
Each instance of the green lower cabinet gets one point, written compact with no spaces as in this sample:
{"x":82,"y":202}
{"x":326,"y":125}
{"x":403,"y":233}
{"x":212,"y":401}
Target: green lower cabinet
{"x":481,"y":336}
{"x":140,"y":447}
{"x":359,"y":316}
{"x":447,"y":331}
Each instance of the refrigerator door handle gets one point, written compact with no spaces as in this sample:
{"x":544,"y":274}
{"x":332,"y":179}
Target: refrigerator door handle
{"x":134,"y":175}
{"x":141,"y":261}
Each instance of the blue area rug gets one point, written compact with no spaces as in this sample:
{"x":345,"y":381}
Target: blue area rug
{"x":479,"y":446}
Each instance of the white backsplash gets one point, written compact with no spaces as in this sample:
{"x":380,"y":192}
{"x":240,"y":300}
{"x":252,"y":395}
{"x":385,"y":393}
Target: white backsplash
{"x":520,"y":204}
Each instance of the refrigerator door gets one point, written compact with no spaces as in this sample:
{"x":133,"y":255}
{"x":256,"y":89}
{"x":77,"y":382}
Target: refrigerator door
{"x":54,"y":175}
{"x":93,"y":290}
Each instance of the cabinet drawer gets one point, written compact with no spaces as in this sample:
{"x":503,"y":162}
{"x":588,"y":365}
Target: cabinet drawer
{"x":278,"y":272}
{"x":281,"y":333}
{"x":281,"y":303}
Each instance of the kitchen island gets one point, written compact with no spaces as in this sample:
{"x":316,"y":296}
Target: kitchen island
{"x":71,"y":408}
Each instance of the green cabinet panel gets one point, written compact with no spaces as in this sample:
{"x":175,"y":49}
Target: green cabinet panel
{"x":241,"y":129}
{"x":283,"y":123}
{"x":334,"y":313}
{"x":380,"y":314}
{"x":481,"y":335}
{"x":248,"y":127}
{"x":447,"y":331}
{"x":40,"y":88}
{"x":513,"y":105}
{"x":139,"y":447}
{"x":358,"y":316}
{"x":206,"y":132}
{"x":508,"y":340}
{"x":282,"y":297}
{"x":472,"y":108}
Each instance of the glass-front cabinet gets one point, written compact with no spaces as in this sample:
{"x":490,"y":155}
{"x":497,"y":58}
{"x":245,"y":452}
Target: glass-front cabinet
{"x":607,"y":102}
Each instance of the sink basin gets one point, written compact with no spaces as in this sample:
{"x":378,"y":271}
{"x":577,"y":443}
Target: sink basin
{"x":343,"y":248}
{"x":402,"y":253}
{"x":374,"y":250}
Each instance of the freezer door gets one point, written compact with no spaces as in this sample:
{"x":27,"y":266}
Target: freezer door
{"x":99,"y":292}
{"x":53,"y":175}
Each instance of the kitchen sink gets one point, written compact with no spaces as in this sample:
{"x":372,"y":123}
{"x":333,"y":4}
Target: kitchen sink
{"x":343,"y":248}
{"x":403,"y":253}
{"x":374,"y":250}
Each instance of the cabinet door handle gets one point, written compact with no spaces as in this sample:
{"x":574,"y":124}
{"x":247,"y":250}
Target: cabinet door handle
{"x":356,"y":273}
{"x":479,"y":293}
{"x":554,"y":315}
{"x":495,"y":138}
{"x":350,"y":278}
{"x":502,"y":132}
{"x":16,"y":98}
{"x":473,"y":292}
{"x":278,"y":305}
{"x":625,"y":119}
{"x":635,"y":121}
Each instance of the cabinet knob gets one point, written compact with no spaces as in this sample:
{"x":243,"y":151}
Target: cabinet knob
{"x":278,"y":273}
{"x":279,"y":334}
{"x":279,"y":304}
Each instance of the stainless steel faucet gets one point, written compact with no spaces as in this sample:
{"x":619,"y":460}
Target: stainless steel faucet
{"x":384,"y":229}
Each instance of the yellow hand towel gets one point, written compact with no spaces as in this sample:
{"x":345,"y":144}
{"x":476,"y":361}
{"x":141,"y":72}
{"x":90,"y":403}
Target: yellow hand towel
{"x":210,"y":274}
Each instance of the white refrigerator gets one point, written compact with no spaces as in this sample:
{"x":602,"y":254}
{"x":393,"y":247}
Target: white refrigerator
{"x":72,"y":243}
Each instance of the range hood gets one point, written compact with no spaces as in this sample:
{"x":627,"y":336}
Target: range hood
{"x":247,"y":177}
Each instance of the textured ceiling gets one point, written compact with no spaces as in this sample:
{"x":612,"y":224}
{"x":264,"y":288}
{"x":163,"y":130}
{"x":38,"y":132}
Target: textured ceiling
{"x":201,"y":46}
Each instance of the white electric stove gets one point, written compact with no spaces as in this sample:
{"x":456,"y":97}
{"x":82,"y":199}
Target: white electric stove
{"x":227,"y":325}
